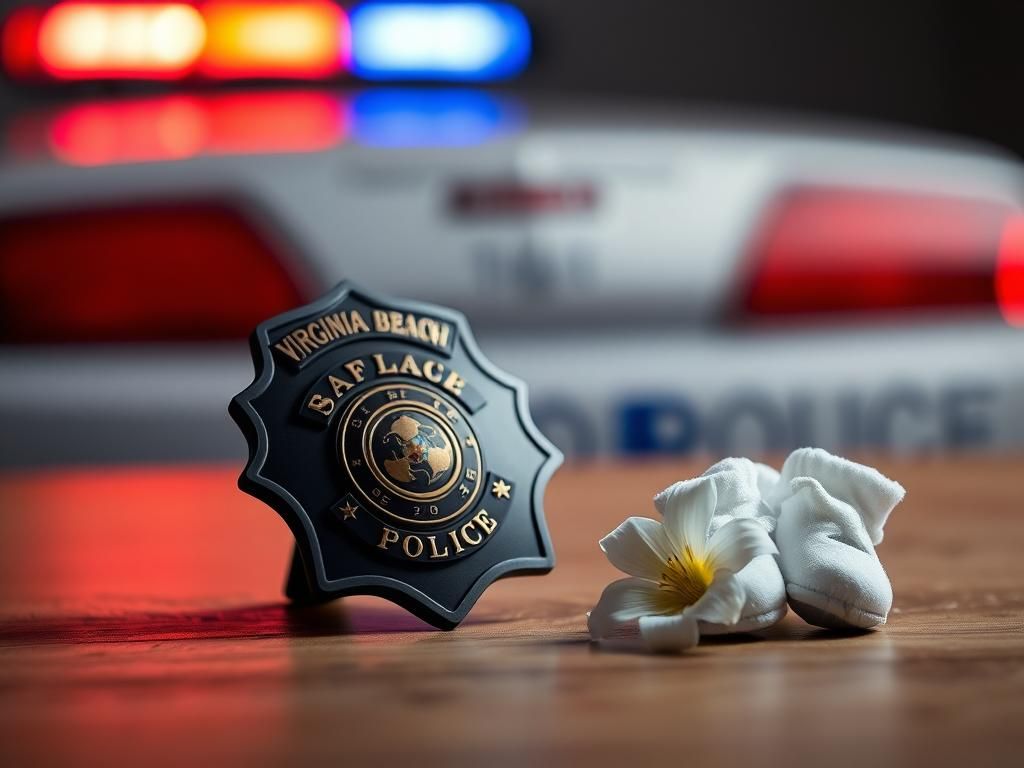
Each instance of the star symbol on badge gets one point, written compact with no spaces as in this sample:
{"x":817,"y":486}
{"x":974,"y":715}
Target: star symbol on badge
{"x":348,"y":511}
{"x":501,"y":489}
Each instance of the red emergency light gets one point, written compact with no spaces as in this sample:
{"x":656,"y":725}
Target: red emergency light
{"x":218,"y":40}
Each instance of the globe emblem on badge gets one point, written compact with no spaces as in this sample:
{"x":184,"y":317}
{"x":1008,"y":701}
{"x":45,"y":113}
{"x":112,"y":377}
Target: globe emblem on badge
{"x":420,"y":454}
{"x":411,"y":454}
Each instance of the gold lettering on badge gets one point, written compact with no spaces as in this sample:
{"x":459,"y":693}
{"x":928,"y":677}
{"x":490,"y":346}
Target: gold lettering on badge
{"x":337,"y":325}
{"x":454,"y":536}
{"x":465,"y":536}
{"x":339,"y":385}
{"x":409,"y":367}
{"x":303,"y":340}
{"x":316,"y":332}
{"x":355,"y":369}
{"x":384,"y":369}
{"x":410,"y":543}
{"x":300,"y":343}
{"x":383,"y":365}
{"x":454,"y":383}
{"x":470,"y":534}
{"x":287,"y":347}
{"x":425,"y":329}
{"x":322,"y":405}
{"x":434,"y":554}
{"x":433,"y":371}
{"x":485,"y":521}
{"x":358,"y":324}
{"x":388,"y":536}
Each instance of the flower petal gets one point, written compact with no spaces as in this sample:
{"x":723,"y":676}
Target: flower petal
{"x":639,"y":547}
{"x":689,"y":508}
{"x":621,"y":602}
{"x":723,"y":601}
{"x":670,"y":633}
{"x":737,"y":543}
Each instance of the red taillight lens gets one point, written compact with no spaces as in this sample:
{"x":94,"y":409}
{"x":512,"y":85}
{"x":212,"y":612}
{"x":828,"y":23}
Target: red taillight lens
{"x":832,"y":251}
{"x":169,"y":272}
{"x":1010,"y":272}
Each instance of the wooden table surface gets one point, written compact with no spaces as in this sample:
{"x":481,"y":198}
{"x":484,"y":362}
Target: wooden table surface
{"x":126,"y":632}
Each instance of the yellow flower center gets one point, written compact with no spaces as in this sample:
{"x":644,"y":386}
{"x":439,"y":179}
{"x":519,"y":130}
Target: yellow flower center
{"x":684,"y":580}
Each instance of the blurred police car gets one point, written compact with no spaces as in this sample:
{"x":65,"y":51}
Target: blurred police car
{"x":665,"y":282}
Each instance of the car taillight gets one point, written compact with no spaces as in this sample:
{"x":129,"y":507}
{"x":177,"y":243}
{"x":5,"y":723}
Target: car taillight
{"x":833,"y":251}
{"x":1010,"y":272}
{"x":147,"y":273}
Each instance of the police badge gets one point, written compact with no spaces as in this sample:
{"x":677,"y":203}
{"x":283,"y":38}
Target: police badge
{"x":405,"y":464}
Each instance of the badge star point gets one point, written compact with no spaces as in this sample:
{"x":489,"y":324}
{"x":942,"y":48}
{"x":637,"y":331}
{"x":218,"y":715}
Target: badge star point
{"x":348,"y":511}
{"x":501,"y":489}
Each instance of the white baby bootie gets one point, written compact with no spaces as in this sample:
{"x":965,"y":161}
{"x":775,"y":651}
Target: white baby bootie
{"x":831,"y":513}
{"x":741,"y":485}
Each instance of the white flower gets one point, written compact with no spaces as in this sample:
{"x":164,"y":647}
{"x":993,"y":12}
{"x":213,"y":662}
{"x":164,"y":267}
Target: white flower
{"x":680,"y":575}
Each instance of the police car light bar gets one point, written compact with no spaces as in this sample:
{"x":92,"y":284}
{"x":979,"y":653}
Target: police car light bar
{"x":225,"y":40}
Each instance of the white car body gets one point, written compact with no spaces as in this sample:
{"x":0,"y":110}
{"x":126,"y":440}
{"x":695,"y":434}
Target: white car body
{"x":612,"y":313}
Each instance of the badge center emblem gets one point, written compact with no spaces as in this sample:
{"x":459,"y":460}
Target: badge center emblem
{"x":411,"y":453}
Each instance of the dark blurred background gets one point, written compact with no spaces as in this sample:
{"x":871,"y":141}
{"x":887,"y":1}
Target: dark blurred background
{"x":947,"y":66}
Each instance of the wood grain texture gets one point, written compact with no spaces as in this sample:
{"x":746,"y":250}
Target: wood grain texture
{"x":131,"y":629}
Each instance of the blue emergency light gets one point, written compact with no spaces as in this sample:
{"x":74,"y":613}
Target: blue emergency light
{"x":438,"y":41}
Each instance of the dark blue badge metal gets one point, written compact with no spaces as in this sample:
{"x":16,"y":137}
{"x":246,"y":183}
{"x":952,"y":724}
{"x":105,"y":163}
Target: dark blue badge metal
{"x":405,"y":463}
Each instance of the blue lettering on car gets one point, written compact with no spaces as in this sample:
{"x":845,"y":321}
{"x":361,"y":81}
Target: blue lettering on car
{"x":900,"y":416}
